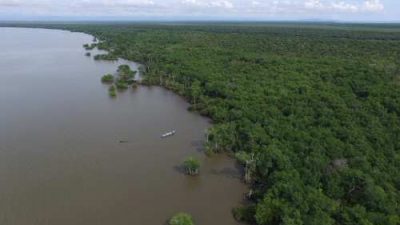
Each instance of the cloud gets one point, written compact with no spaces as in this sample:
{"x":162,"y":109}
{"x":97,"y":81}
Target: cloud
{"x":223,"y":4}
{"x":188,"y":8}
{"x":17,"y":3}
{"x":312,"y":8}
{"x":115,"y":3}
{"x":343,"y":6}
{"x":9,"y":3}
{"x":313,"y":4}
{"x":373,"y":6}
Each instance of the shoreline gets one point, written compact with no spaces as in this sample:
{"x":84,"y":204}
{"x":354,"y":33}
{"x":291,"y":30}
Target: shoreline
{"x":213,"y":182}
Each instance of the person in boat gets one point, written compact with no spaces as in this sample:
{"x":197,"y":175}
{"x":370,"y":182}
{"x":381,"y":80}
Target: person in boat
{"x":168,"y":134}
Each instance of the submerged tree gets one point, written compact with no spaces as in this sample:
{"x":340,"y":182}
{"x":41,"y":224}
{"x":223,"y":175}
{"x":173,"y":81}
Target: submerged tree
{"x":108,"y":78}
{"x":249,"y":163}
{"x":181,"y":219}
{"x":126,"y":74}
{"x":112,"y":91}
{"x":192,"y":166}
{"x":121,"y":85}
{"x":90,"y":46}
{"x":123,"y":68}
{"x":108,"y":57}
{"x":124,"y":79}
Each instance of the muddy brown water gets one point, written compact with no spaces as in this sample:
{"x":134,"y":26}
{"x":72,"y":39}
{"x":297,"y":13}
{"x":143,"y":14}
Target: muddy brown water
{"x":61,"y":160}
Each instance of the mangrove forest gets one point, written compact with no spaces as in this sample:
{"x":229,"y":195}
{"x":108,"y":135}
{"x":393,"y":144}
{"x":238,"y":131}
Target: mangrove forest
{"x":311,"y":111}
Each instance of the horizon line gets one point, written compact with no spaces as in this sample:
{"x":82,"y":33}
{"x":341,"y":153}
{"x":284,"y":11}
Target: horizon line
{"x":167,"y":20}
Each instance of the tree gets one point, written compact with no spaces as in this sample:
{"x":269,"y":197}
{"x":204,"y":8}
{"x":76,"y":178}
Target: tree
{"x":195,"y":91}
{"x":294,"y":99}
{"x":191,"y":166}
{"x":181,"y":219}
{"x":121,"y":85}
{"x":112,"y":91}
{"x":108,"y":78}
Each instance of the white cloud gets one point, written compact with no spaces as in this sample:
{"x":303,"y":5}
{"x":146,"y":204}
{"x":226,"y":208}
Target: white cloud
{"x":333,"y":6}
{"x":112,"y":3}
{"x":255,"y":3}
{"x":18,"y":3}
{"x":313,"y":4}
{"x":344,"y":7}
{"x":9,"y":3}
{"x":126,"y":2}
{"x":188,"y":8}
{"x":224,"y":4}
{"x":373,"y":5}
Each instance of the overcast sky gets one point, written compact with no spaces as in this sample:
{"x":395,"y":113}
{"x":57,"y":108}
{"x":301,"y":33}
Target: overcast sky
{"x":340,"y":10}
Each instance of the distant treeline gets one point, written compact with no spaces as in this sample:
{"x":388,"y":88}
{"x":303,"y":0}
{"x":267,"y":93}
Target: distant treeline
{"x":311,"y":110}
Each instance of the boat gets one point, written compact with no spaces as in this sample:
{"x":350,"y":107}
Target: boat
{"x":168,"y":134}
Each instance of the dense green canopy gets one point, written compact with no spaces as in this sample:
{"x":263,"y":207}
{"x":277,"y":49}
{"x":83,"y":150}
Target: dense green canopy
{"x":312,"y":110}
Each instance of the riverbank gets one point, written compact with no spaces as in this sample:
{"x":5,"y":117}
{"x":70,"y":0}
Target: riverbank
{"x":291,"y":100}
{"x":61,"y":154}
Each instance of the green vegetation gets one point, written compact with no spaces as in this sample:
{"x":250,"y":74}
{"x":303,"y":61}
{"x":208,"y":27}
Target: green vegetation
{"x":108,"y":78}
{"x":311,"y":110}
{"x":88,"y":54}
{"x":121,"y":85}
{"x":191,"y":166}
{"x":244,"y":214}
{"x":90,"y":46}
{"x":108,"y":57}
{"x":249,"y":163}
{"x":126,"y":74}
{"x":112,"y":91}
{"x":124,"y":69}
{"x":181,"y":219}
{"x":125,"y":78}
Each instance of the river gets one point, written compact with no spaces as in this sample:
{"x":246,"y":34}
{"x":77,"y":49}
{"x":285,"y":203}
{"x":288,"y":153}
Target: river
{"x":61,"y":160}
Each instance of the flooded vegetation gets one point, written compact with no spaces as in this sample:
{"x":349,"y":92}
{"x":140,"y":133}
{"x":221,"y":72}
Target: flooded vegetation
{"x":106,"y":57}
{"x":108,"y":78}
{"x":192,"y":166}
{"x":112,"y":91}
{"x":125,"y":77}
{"x":181,"y":219}
{"x":310,"y":110}
{"x":70,"y":154}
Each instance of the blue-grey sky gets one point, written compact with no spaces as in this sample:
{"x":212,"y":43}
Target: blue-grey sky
{"x":338,"y":10}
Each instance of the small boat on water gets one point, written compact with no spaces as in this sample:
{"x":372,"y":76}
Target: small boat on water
{"x":168,"y":134}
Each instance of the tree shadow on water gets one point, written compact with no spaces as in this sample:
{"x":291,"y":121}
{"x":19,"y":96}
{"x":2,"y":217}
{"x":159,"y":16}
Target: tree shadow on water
{"x":199,"y":145}
{"x":233,"y":173}
{"x":180,"y":169}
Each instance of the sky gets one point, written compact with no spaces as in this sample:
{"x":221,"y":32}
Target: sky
{"x":310,"y":10}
